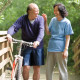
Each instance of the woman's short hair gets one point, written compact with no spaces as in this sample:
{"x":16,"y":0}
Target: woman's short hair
{"x":61,"y":9}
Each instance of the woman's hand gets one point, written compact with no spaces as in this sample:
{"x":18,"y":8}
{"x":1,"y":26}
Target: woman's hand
{"x":65,"y":53}
{"x":45,"y":24}
{"x":45,"y":17}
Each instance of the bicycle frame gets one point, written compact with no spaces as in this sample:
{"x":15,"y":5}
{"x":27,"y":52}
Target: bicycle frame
{"x":17,"y":64}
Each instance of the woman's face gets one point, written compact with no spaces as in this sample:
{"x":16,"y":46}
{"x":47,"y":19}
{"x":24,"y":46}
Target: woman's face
{"x":56,"y":11}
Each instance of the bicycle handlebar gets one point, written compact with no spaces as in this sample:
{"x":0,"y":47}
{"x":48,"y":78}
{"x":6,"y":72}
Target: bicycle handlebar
{"x":30,"y":44}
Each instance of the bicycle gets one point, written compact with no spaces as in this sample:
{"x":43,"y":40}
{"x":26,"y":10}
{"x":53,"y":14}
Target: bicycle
{"x":17,"y":63}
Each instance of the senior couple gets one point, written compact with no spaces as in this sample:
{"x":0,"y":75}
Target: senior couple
{"x":32,"y":26}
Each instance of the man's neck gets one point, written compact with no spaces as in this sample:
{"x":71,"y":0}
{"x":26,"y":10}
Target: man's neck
{"x":30,"y":18}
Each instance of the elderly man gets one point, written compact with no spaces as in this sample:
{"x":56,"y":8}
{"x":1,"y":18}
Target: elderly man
{"x":32,"y":26}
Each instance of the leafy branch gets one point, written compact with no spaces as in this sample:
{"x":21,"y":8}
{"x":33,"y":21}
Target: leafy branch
{"x":4,"y":5}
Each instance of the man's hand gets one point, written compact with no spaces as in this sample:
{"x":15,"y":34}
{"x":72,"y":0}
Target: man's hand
{"x":9,"y":37}
{"x":35,"y":44}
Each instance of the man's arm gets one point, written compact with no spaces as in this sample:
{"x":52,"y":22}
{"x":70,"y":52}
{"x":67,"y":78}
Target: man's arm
{"x":14,"y":28}
{"x":41,"y":32}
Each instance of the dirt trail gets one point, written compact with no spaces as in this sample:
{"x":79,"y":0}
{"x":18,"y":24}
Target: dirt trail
{"x":72,"y":75}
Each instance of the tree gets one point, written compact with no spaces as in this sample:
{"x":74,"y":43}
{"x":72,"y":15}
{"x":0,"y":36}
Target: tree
{"x":3,"y":5}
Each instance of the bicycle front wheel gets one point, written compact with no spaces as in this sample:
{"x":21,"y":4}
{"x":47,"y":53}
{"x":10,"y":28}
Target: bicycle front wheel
{"x":19,"y":69}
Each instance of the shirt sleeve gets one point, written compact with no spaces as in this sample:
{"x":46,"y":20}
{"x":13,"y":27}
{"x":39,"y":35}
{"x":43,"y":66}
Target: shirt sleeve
{"x":68,"y":29}
{"x":41,"y":29}
{"x":15,"y":27}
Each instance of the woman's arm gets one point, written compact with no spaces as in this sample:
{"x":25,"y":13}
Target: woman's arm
{"x":67,"y":41}
{"x":46,"y":24}
{"x":65,"y":53}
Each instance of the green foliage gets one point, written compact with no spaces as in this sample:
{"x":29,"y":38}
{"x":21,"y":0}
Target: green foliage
{"x":1,"y":5}
{"x":18,"y":7}
{"x":1,"y":18}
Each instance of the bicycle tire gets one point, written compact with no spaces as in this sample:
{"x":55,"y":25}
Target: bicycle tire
{"x":14,"y":72}
{"x":19,"y":69}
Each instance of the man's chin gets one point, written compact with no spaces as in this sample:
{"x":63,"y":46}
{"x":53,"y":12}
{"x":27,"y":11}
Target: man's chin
{"x":35,"y":17}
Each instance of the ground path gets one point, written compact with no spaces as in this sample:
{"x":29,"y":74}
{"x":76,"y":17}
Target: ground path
{"x":72,"y":75}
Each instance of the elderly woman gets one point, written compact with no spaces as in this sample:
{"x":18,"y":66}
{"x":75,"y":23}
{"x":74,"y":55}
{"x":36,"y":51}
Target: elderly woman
{"x":60,"y":30}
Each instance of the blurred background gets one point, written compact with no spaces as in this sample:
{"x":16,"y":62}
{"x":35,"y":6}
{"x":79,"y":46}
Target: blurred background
{"x":11,"y":10}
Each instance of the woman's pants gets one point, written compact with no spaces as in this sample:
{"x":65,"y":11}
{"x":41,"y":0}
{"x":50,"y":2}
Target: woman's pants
{"x":52,"y":59}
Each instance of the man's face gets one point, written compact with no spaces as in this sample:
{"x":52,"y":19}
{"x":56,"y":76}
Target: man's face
{"x":34,"y":12}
